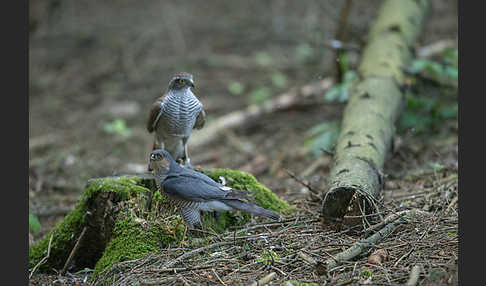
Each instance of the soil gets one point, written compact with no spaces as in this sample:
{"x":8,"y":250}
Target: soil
{"x":91,"y":64}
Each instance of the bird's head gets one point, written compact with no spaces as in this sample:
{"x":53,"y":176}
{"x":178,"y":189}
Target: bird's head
{"x":160,"y":161}
{"x":181,"y":81}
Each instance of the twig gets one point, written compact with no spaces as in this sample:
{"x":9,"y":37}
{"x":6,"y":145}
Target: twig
{"x":239,"y":117}
{"x":43,"y":260}
{"x":414,"y":276}
{"x":306,"y":258}
{"x":341,"y":36}
{"x":195,"y":251}
{"x":217,"y":276}
{"x":264,"y":280}
{"x":302,"y":182}
{"x":321,"y":161}
{"x":359,"y":246}
{"x":435,"y":48}
{"x":43,"y":140}
{"x":73,"y":252}
{"x":394,"y":217}
{"x":452,"y":203}
{"x":181,"y":269}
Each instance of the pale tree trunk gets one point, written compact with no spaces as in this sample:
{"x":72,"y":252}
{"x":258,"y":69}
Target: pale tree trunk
{"x":375,"y":103}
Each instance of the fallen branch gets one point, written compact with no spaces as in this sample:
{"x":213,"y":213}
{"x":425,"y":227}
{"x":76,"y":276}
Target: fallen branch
{"x":44,"y":140}
{"x":375,"y":103}
{"x":359,"y":247}
{"x":264,"y":280}
{"x":236,"y":118}
{"x":414,"y":276}
{"x":436,"y":48}
{"x":217,"y":276}
{"x":393,"y":221}
{"x":393,"y":217}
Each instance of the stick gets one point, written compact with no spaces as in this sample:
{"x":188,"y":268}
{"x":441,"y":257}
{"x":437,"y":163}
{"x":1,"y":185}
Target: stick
{"x":358,"y":247}
{"x":239,"y":117}
{"x":393,"y":217}
{"x":73,"y":252}
{"x":217,"y":276}
{"x":264,"y":280}
{"x":306,"y":258}
{"x":43,"y":260}
{"x":435,"y":48}
{"x":194,"y":252}
{"x":452,"y":203}
{"x":414,"y":276}
{"x":305,"y":184}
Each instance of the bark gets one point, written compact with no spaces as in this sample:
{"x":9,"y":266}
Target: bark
{"x":375,"y":103}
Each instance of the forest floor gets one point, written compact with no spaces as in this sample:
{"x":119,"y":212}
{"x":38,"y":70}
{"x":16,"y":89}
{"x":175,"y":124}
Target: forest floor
{"x":92,"y":82}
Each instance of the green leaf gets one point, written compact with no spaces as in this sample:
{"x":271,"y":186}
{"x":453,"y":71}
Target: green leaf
{"x":235,"y":87}
{"x":435,"y":68}
{"x":418,"y":65}
{"x":304,"y":51}
{"x":435,"y":165}
{"x":449,"y":111}
{"x":343,"y":60}
{"x":34,"y":223}
{"x":452,"y":72}
{"x":259,"y":96}
{"x":340,"y":92}
{"x":323,"y":135}
{"x":333,"y":93}
{"x":263,"y":59}
{"x":279,"y":79}
{"x":117,"y":126}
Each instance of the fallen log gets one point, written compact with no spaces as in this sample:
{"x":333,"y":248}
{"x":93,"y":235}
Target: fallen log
{"x":376,"y":101}
{"x":252,"y":112}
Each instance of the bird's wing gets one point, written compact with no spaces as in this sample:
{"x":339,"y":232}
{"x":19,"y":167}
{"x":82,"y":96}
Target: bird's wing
{"x":192,"y":189}
{"x":155,"y":114}
{"x":196,"y":186}
{"x":231,"y":193}
{"x":200,"y":119}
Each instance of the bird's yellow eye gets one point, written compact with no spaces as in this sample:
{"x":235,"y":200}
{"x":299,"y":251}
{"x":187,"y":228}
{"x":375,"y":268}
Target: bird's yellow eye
{"x":180,"y":81}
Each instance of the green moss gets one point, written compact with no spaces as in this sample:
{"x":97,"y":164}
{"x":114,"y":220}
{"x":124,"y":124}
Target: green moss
{"x":158,"y":198}
{"x":124,"y":187}
{"x":267,"y":257}
{"x":67,"y":231}
{"x":244,"y":181}
{"x":63,"y":241}
{"x":133,"y":240}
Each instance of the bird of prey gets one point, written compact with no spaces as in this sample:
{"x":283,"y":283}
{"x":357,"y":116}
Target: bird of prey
{"x":193,"y":191}
{"x":174,"y":115}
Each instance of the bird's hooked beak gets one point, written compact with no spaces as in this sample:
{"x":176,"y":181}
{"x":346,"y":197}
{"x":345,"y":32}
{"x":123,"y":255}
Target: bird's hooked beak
{"x":158,"y":163}
{"x":190,"y":82}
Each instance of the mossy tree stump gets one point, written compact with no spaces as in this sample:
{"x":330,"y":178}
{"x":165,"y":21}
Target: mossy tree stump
{"x":119,"y":228}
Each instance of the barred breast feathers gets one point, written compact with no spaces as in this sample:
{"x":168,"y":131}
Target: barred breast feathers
{"x":181,"y":111}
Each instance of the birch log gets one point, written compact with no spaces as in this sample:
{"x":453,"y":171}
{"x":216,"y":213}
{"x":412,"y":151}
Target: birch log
{"x":376,"y":101}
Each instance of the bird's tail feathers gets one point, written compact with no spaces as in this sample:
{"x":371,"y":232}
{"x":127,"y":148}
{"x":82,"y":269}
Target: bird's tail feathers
{"x":251,"y":208}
